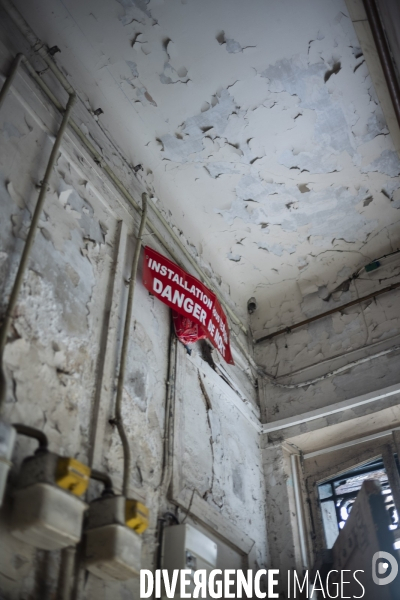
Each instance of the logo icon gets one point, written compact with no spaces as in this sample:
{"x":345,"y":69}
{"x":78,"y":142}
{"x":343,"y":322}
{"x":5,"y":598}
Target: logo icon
{"x":384,"y":568}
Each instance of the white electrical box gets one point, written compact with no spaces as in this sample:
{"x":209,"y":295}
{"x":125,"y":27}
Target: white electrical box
{"x":185,"y":547}
{"x":113,"y":552}
{"x":47,"y":517}
{"x":7,"y":441}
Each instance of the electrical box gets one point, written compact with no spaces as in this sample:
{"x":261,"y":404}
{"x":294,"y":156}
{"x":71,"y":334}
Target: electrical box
{"x":47,"y":517}
{"x":44,"y":513}
{"x":7,"y":441}
{"x":113,"y":546}
{"x":185,"y":547}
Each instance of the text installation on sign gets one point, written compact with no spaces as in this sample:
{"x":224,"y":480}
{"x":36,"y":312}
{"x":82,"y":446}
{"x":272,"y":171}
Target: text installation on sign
{"x":187,"y":296}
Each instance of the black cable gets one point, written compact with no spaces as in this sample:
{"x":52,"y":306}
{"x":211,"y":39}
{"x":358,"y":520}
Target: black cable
{"x":171,"y":516}
{"x":104,"y":479}
{"x":32,"y":433}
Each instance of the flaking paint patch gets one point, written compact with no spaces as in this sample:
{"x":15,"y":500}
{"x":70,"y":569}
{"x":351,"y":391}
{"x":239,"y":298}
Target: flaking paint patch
{"x":133,"y":9}
{"x":273,"y":136}
{"x":321,"y":214}
{"x":214,"y":122}
{"x":171,"y":75}
{"x":231,"y":45}
{"x":277,"y":249}
{"x":215,"y":169}
{"x":297,"y":77}
{"x":388,"y":163}
{"x":133,"y":68}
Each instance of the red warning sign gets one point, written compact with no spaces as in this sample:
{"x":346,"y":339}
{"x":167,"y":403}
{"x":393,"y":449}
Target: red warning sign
{"x":188,"y":297}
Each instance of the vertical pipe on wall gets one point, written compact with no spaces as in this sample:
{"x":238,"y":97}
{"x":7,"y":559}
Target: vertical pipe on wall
{"x":10,"y":77}
{"x":169,"y":414}
{"x":66,"y":574}
{"x":124,"y":353}
{"x":29,"y":243}
{"x":294,"y":462}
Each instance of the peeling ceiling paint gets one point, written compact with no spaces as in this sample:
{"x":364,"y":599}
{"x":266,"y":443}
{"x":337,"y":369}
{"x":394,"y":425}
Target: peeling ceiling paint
{"x":257,"y":125}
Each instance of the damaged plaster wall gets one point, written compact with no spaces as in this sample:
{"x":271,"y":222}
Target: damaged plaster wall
{"x":282,"y":517}
{"x":262,"y":137}
{"x":52,"y":353}
{"x":221,"y":455}
{"x":62,"y":353}
{"x":312,"y":351}
{"x":334,"y":341}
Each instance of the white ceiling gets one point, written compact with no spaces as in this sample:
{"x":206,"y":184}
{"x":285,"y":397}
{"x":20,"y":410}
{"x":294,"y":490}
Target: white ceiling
{"x":257,"y":125}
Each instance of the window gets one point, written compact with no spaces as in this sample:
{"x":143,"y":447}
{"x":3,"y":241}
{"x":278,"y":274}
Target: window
{"x":337,"y":496}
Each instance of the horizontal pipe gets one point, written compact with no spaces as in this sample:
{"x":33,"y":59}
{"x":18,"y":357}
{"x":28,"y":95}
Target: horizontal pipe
{"x":335,"y":357}
{"x":384,"y":54}
{"x":32,"y":432}
{"x":351,"y":365}
{"x":288,"y":329}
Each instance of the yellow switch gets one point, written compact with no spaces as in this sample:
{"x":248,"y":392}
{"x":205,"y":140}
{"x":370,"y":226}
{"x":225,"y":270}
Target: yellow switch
{"x":136,"y":516}
{"x":72,"y":475}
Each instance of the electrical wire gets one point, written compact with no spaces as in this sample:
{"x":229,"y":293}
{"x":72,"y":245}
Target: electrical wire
{"x":272,"y":379}
{"x":355,"y":363}
{"x":357,"y":273}
{"x":189,"y":506}
{"x":363,"y":314}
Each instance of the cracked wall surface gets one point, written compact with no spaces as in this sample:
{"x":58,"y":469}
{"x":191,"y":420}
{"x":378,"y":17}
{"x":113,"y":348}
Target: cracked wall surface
{"x":346,"y":336}
{"x":221,"y":455}
{"x":62,"y":354}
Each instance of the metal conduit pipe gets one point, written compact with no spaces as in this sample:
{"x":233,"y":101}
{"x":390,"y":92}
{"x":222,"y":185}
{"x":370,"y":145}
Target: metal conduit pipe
{"x":66,"y":573}
{"x":354,"y":363}
{"x":39,"y":47}
{"x":169,"y":412}
{"x":288,"y":329}
{"x":124,"y":353}
{"x":30,"y":239}
{"x":10,"y":78}
{"x":334,"y":357}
